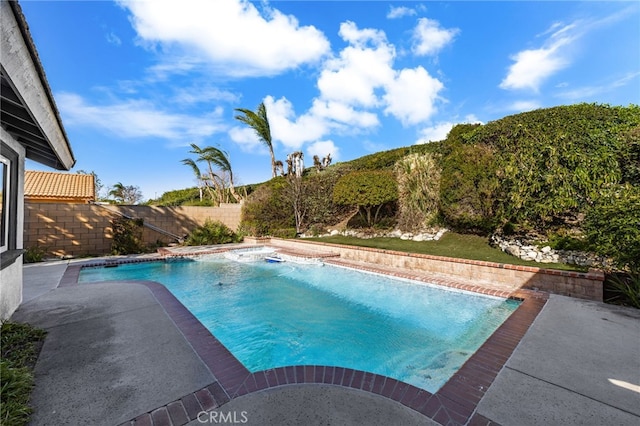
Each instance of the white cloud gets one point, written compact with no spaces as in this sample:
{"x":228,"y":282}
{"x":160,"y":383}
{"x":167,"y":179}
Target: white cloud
{"x":399,"y":12}
{"x":138,"y":119}
{"x":247,"y":140}
{"x":429,"y":38}
{"x":440,"y":130}
{"x":354,"y":76}
{"x":350,"y":32}
{"x":232,"y":35}
{"x":353,"y":86}
{"x":434,"y":133}
{"x":587,"y":92}
{"x":322,"y":148}
{"x":343,"y":113}
{"x":203,"y":94}
{"x":360,"y":68}
{"x":472,"y":119}
{"x":112,"y":38}
{"x":411,"y":97}
{"x":533,"y":66}
{"x":289,"y":130}
{"x":522,"y":106}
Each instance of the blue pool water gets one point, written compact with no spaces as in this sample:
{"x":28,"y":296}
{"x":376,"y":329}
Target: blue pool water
{"x":277,"y":314}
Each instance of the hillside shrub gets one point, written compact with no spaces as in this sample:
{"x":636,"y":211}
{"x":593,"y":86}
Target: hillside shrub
{"x":386,"y":160}
{"x":212,"y":232}
{"x":267,"y":209}
{"x":418,"y":177}
{"x":470,"y":188}
{"x":321,"y":210}
{"x":553,"y":162}
{"x":368,"y":190}
{"x":629,"y":157}
{"x":612,"y":226}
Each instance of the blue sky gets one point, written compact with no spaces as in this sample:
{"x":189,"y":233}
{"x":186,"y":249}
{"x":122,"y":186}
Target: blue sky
{"x":136,"y":82}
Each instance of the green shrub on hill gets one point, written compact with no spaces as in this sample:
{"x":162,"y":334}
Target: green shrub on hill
{"x":320,"y":209}
{"x":267,"y":209}
{"x":418,"y":177}
{"x":629,"y":157}
{"x":536,"y":173}
{"x":368,"y":190}
{"x":470,"y":189}
{"x":386,"y":160}
{"x":612,"y":226}
{"x":553,"y":162}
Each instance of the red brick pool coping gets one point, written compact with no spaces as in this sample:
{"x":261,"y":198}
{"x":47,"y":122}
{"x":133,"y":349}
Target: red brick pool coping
{"x":453,"y":404}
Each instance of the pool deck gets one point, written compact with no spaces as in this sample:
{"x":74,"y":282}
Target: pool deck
{"x":130,"y":353}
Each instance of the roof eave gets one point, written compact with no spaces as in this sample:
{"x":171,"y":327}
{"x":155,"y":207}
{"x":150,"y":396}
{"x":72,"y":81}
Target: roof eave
{"x":24,"y":70}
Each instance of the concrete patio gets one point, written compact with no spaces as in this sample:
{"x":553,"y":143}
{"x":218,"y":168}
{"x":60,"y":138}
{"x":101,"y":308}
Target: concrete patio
{"x":113,"y":353}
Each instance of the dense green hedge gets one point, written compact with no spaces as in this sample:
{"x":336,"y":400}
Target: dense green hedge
{"x":269,"y":209}
{"x":470,"y":188}
{"x":367,"y":190}
{"x":539,"y":172}
{"x":552,"y":163}
{"x":612,"y":226}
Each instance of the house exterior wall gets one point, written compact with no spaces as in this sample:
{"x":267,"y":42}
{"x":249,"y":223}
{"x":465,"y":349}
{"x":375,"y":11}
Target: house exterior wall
{"x":70,"y":229}
{"x":11,"y":275}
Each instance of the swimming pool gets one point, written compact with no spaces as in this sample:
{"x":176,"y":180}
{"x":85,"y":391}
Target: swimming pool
{"x":277,"y":314}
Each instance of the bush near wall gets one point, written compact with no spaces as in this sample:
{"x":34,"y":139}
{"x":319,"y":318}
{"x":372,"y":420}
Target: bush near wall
{"x":66,"y":229}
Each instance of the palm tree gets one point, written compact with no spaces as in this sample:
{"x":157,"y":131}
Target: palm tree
{"x":202,"y":180}
{"x":220,"y":159}
{"x":259,"y":122}
{"x":213,"y":157}
{"x":125,"y":194}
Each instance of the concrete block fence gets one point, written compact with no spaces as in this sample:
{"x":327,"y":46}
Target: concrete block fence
{"x":67,"y":229}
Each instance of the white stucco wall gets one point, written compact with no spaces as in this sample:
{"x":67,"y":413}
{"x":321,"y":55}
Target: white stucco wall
{"x":11,"y":276}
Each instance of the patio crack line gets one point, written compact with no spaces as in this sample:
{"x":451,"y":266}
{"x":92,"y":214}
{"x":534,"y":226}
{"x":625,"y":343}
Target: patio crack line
{"x":572,"y":391}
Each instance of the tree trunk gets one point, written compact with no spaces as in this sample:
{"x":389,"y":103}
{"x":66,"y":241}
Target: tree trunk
{"x":274,"y":172}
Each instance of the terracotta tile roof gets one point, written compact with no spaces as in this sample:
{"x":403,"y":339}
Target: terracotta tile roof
{"x":51,"y":186}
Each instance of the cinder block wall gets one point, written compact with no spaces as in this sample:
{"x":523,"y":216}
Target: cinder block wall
{"x":85,"y":229}
{"x":510,"y":277}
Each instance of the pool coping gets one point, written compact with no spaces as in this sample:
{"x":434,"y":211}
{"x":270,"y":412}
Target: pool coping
{"x":454,"y":403}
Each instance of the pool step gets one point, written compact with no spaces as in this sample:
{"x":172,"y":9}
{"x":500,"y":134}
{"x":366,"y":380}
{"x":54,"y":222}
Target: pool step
{"x":306,"y":254}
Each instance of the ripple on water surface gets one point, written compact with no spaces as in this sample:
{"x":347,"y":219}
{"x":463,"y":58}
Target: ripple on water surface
{"x":277,"y":314}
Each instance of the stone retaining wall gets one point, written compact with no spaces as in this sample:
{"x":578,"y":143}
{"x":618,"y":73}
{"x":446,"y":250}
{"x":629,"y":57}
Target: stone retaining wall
{"x":67,"y":229}
{"x":546,"y":254}
{"x":510,"y":277}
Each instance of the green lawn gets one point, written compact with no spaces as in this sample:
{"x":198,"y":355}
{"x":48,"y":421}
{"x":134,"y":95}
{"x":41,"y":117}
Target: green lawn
{"x":451,"y":244}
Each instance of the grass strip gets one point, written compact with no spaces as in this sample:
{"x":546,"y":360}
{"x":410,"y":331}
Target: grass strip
{"x":461,"y":246}
{"x":20,"y":345}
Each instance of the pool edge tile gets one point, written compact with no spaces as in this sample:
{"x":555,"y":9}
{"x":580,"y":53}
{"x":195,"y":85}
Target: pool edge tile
{"x":454,"y":403}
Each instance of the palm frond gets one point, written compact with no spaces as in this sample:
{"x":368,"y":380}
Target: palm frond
{"x":196,"y":170}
